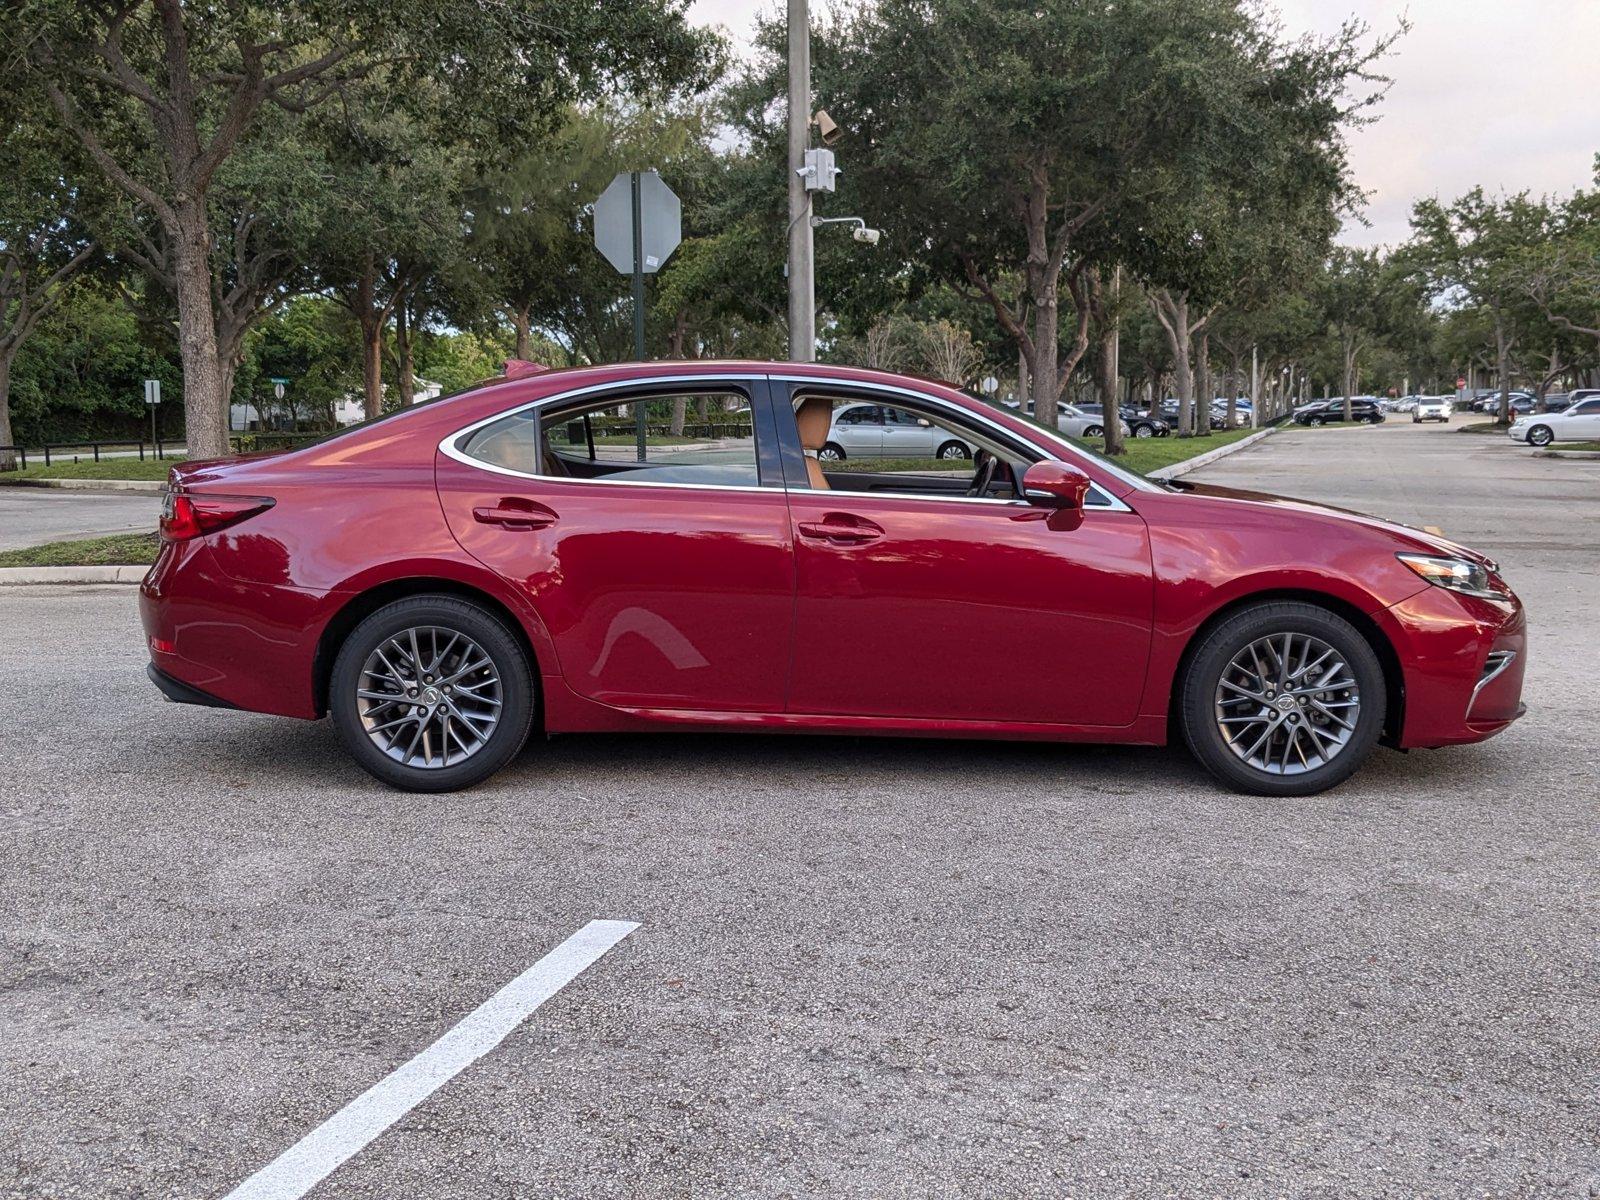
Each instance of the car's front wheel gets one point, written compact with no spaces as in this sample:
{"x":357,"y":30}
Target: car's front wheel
{"x":1143,"y":431}
{"x":1541,"y":435}
{"x":832,"y":452}
{"x":431,"y":694}
{"x":1282,"y":698}
{"x":1315,"y":422}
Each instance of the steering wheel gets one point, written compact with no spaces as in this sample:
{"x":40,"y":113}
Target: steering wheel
{"x":984,"y":465}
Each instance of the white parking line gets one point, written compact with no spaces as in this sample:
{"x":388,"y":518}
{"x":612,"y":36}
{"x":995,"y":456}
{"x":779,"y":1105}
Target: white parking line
{"x":317,"y":1155}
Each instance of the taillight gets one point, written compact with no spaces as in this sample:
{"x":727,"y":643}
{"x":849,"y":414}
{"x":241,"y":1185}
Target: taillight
{"x":186,"y":515}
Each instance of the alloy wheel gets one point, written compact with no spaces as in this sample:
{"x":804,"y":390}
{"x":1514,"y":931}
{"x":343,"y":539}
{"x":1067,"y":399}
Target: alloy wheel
{"x":1287,"y":703}
{"x":1144,"y":431}
{"x":953,"y":451}
{"x":429,"y":697}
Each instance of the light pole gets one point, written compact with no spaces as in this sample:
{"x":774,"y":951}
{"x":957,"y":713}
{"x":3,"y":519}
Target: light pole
{"x":802,"y":281}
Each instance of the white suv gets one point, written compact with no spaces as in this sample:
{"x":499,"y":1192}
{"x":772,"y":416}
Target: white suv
{"x":1431,"y":408}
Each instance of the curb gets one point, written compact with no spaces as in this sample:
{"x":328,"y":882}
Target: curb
{"x":1211,"y":456}
{"x":1578,"y":454}
{"x":17,"y":576}
{"x":91,"y":485}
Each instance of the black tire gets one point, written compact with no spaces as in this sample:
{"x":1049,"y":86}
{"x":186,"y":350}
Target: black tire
{"x":1094,"y":431}
{"x":1143,"y":431}
{"x":1197,"y":691}
{"x":1540,"y":435}
{"x":953,"y":450}
{"x":1315,"y":422}
{"x":492,"y":637}
{"x":831,"y":452}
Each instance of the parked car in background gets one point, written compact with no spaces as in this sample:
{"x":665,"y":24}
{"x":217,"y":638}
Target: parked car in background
{"x":1431,"y":408}
{"x":1580,"y":422}
{"x":1364,"y":410}
{"x":1555,"y":402}
{"x":1405,"y":404}
{"x":1086,"y":421}
{"x":1491,"y":402}
{"x":879,"y":431}
{"x":450,"y":578}
{"x":1133,"y":424}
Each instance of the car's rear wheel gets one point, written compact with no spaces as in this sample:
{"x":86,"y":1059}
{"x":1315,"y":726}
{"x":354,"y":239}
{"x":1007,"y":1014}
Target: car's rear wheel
{"x":431,"y":694}
{"x":832,"y":452}
{"x":954,"y":450}
{"x":1282,"y":699}
{"x":1314,"y":421}
{"x":1540,"y":435}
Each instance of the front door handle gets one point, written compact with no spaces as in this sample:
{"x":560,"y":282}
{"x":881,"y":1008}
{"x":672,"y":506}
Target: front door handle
{"x":840,"y":530}
{"x":516,"y":514}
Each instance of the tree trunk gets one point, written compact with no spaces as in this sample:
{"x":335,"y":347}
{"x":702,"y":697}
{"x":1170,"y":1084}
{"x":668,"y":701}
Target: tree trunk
{"x":8,"y":458}
{"x":1502,"y":356}
{"x":1023,"y":390}
{"x":1172,"y":312}
{"x":371,"y":341}
{"x":1042,"y":367}
{"x":1110,"y":366}
{"x":519,"y":320}
{"x":1349,"y":373}
{"x":1204,"y":390}
{"x":205,"y":398}
{"x":405,"y":355}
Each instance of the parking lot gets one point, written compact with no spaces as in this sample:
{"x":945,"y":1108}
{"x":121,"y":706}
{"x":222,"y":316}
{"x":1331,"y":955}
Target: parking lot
{"x":875,"y":968}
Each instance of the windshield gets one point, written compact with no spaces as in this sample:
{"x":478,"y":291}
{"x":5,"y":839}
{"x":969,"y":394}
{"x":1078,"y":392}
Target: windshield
{"x":1127,"y":475}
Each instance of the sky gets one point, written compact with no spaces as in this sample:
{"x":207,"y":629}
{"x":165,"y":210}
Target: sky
{"x":1501,"y":93}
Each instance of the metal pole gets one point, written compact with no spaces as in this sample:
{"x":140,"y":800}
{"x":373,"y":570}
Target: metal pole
{"x":802,"y":279}
{"x":639,"y":406}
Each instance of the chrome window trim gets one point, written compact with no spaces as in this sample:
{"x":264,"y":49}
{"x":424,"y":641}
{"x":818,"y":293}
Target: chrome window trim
{"x":448,"y":444}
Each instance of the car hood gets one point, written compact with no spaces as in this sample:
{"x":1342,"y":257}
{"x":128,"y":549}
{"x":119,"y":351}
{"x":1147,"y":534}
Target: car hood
{"x":1416,"y":539}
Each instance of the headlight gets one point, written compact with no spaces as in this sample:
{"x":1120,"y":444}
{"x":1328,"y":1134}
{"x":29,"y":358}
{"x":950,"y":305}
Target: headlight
{"x":1458,"y":574}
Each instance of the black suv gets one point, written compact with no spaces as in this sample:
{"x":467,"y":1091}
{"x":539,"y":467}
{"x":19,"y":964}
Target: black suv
{"x":1327,"y":412}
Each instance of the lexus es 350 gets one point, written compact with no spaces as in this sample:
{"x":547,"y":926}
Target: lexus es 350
{"x":622,"y":548}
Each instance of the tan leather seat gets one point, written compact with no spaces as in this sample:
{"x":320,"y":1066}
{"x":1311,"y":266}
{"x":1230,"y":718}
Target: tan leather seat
{"x":814,"y":416}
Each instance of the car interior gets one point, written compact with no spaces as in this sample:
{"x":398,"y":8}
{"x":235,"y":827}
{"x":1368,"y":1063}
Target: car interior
{"x":993,"y":470}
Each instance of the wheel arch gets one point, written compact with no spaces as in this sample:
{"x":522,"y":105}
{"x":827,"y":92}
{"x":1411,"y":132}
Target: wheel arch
{"x":1388,"y":657}
{"x":359,"y":605}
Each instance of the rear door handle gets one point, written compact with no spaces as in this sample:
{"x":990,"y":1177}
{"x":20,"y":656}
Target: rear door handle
{"x":515,"y":514}
{"x":841,"y":533}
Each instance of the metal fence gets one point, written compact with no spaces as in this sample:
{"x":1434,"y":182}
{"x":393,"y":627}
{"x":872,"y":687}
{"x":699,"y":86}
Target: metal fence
{"x":16,"y":457}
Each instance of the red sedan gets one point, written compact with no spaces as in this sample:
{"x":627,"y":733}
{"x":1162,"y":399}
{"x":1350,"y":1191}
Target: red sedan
{"x":646,"y":547}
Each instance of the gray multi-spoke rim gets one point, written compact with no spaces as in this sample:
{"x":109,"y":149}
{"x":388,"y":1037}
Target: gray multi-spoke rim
{"x":429,"y":697}
{"x":1288,"y":703}
{"x":953,"y":452}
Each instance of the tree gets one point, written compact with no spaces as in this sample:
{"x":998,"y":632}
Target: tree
{"x":1349,"y":299}
{"x":191,"y":81}
{"x":1474,"y":252}
{"x":44,"y":240}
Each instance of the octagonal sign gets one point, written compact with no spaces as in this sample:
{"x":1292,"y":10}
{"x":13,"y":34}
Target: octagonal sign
{"x":660,"y":220}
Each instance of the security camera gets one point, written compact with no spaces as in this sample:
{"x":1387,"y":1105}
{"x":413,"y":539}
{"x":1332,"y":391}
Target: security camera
{"x":869,"y":236}
{"x":827,"y":129}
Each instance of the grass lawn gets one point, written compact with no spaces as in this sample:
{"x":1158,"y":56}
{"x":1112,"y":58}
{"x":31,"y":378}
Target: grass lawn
{"x":1149,"y":454}
{"x":123,"y":549}
{"x":1573,"y":446}
{"x":106,"y":468}
{"x":1484,"y":427}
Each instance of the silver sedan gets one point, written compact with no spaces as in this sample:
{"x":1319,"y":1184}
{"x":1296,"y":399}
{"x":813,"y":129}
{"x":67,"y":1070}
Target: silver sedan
{"x":878,"y":431}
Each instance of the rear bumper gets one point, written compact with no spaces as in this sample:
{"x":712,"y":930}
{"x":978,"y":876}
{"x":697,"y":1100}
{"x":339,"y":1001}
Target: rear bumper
{"x":181,"y":693}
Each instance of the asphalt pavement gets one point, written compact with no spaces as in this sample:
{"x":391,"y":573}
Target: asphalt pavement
{"x":863,"y":968}
{"x":32,"y":516}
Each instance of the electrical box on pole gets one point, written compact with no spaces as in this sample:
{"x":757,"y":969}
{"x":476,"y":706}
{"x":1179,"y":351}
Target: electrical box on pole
{"x":821,"y":171}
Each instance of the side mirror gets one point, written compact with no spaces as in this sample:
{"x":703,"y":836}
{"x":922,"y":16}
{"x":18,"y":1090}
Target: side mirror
{"x":1051,"y":484}
{"x":924,"y":422}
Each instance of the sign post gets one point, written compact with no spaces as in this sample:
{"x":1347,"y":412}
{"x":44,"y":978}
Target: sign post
{"x":638,"y":223}
{"x":152,"y":400}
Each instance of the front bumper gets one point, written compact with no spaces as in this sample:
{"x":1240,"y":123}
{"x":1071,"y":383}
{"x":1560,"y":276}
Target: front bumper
{"x":1463,"y":661}
{"x":1516,"y":434}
